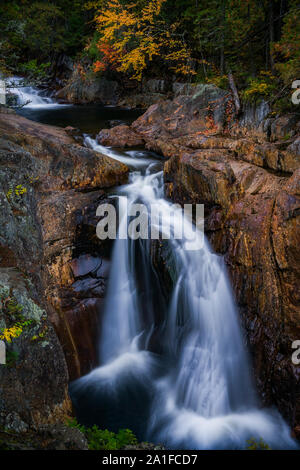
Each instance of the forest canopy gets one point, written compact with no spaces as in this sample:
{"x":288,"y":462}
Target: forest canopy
{"x":192,"y":40}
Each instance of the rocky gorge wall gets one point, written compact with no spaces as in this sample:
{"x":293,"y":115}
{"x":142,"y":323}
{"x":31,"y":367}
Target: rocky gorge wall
{"x":246,"y":171}
{"x":52,"y":275}
{"x":80,"y":88}
{"x":54,"y":270}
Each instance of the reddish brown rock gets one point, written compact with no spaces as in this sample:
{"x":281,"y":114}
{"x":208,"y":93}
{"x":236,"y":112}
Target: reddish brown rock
{"x":120,"y":136}
{"x":266,"y":155}
{"x":253,"y":219}
{"x":53,"y":224}
{"x":250,"y":188}
{"x":208,"y":111}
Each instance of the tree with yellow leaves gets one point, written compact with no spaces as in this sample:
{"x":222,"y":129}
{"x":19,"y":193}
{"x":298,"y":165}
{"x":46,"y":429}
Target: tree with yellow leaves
{"x":132,"y":35}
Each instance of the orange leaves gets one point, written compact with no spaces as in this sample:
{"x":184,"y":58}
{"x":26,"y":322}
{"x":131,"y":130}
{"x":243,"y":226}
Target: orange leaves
{"x":134,"y":35}
{"x":99,"y":66}
{"x":109,"y":57}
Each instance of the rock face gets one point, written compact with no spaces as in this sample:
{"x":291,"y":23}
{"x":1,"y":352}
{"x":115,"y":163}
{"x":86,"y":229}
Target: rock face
{"x":253,"y":220}
{"x":80,"y":90}
{"x":51,"y":286}
{"x":164,"y":124}
{"x":247,"y":173}
{"x":34,"y":380}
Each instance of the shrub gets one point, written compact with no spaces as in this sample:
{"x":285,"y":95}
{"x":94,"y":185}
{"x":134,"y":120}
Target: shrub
{"x":34,"y":70}
{"x":262,"y":87}
{"x":253,"y":444}
{"x":99,"y":439}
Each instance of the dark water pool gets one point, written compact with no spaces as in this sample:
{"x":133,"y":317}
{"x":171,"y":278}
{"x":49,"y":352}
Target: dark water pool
{"x":88,"y":118}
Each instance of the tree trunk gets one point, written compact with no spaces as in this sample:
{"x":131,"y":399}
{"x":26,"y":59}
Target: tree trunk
{"x":271,"y":33}
{"x":235,"y":94}
{"x":222,"y":53}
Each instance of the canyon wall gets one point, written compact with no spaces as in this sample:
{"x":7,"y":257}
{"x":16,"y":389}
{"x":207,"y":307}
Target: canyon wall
{"x":245,"y":169}
{"x":51,"y":285}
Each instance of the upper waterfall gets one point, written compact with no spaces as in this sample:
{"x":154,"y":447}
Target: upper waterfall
{"x":29,"y":96}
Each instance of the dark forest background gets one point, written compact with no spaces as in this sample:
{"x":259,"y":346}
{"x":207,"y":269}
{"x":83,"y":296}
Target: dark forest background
{"x":189,"y":40}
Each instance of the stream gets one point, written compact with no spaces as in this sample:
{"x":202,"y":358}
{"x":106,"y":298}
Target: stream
{"x":174,"y":369}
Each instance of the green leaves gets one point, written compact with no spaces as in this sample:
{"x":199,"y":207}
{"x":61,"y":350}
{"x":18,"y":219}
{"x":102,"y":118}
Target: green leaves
{"x":99,"y":439}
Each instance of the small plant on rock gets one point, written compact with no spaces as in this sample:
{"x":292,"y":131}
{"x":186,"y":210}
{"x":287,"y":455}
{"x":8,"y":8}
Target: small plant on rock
{"x":99,"y":439}
{"x":253,"y":444}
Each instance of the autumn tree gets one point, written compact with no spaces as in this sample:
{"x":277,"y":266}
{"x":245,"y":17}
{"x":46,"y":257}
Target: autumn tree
{"x":133,"y":34}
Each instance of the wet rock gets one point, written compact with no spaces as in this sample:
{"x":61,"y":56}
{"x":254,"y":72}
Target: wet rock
{"x":141,"y":100}
{"x":115,"y":122}
{"x":144,"y":446}
{"x":254,"y":118}
{"x":14,"y":423}
{"x":294,"y":147}
{"x":6,"y":110}
{"x":84,"y":265}
{"x":205,"y":112}
{"x":35,"y":353}
{"x":267,"y":155}
{"x":62,"y":68}
{"x":120,"y":136}
{"x":204,"y":175}
{"x":72,"y":131}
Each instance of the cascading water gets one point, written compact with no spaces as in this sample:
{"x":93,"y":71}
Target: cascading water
{"x":29,"y":96}
{"x":175,"y":369}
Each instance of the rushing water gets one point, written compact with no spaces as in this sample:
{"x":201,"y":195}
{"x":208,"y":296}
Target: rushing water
{"x":173,"y":368}
{"x":175,"y":371}
{"x":30,"y":97}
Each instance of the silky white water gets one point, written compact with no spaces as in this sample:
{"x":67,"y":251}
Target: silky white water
{"x":180,"y":360}
{"x":30,"y":96}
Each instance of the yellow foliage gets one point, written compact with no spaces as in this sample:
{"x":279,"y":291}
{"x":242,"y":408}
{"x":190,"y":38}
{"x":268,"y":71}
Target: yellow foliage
{"x":19,"y":190}
{"x":9,"y":333}
{"x":262,"y":86}
{"x":139,"y":35}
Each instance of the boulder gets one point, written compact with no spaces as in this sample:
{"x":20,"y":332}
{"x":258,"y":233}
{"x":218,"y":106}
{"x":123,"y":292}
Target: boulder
{"x":120,"y":136}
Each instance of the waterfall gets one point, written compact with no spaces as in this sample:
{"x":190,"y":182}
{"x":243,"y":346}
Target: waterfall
{"x":29,"y":96}
{"x":173,"y":368}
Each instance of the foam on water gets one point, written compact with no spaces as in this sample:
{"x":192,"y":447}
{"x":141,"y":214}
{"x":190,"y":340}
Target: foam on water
{"x":30,"y":97}
{"x":189,"y":350}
